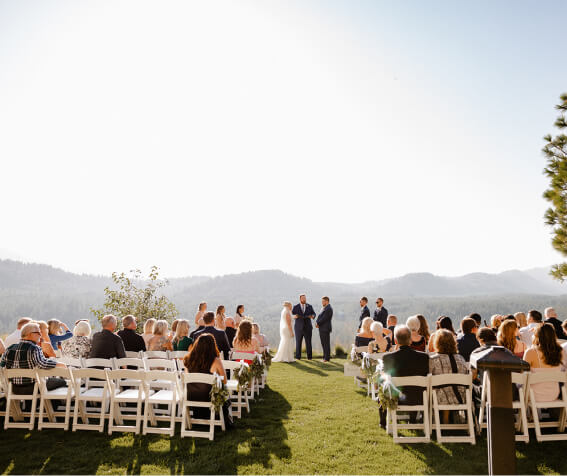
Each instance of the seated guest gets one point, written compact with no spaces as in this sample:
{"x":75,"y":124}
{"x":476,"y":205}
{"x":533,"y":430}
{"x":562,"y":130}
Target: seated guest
{"x":544,"y":354}
{"x":148,"y":330}
{"x":495,"y":322}
{"x":204,"y":358}
{"x":417,"y":340}
{"x":106,"y":344}
{"x":487,"y":338}
{"x":535,"y":320}
{"x":521,"y":319}
{"x":201,"y":326}
{"x":509,"y":337}
{"x":380,"y":342}
{"x":174,"y":326}
{"x":78,"y":346}
{"x":27,"y":354}
{"x":476,"y":317}
{"x":220,"y":319}
{"x":467,"y":342}
{"x":244,"y":341}
{"x":230,"y":330}
{"x":14,"y":337}
{"x":133,"y":342}
{"x":443,"y":322}
{"x":405,"y":362}
{"x":45,"y":343}
{"x":262,"y":339}
{"x":58,"y":332}
{"x":551,"y":318}
{"x":392,"y":322}
{"x":220,"y":336}
{"x":445,"y":360}
{"x":161,"y":340}
{"x":182,"y":341}
{"x":423,"y":328}
{"x":365,"y":335}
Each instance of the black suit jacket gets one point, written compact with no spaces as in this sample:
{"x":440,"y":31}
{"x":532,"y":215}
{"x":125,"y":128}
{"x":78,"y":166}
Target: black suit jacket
{"x":230,"y":333}
{"x":220,"y":338}
{"x":106,"y":345}
{"x":406,"y":362}
{"x":381,"y":316}
{"x":365,"y":312}
{"x":556,"y":323}
{"x":324,"y":319}
{"x":304,"y":319}
{"x":133,"y":342}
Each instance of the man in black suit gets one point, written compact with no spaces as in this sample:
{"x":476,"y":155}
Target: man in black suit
{"x":106,"y":344}
{"x":220,"y":336}
{"x":364,"y":312}
{"x":230,"y":330}
{"x":381,"y":313}
{"x":406,"y":362}
{"x":133,"y":342}
{"x":303,"y":313}
{"x":323,"y":323}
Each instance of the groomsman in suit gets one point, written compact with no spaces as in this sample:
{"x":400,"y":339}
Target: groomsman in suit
{"x":365,"y":312}
{"x":381,"y":313}
{"x":323,"y":323}
{"x":303,"y":313}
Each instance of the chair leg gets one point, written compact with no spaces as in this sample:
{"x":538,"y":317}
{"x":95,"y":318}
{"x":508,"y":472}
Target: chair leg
{"x":212,"y":425}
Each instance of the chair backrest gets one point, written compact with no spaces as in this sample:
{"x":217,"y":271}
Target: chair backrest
{"x":134,"y":355}
{"x":451,"y":379}
{"x":160,"y":364}
{"x":177,"y":354}
{"x":231,"y":364}
{"x":519,"y":378}
{"x":242,"y":356}
{"x":156,"y":354}
{"x":71,"y":362}
{"x":129,"y":362}
{"x":361,"y":349}
{"x":411,"y":381}
{"x":159,"y":377}
{"x":377,"y":355}
{"x":14,"y":373}
{"x":96,"y":374}
{"x":198,"y":378}
{"x":105,"y":363}
{"x":136,"y":378}
{"x":547,"y":376}
{"x":54,"y":372}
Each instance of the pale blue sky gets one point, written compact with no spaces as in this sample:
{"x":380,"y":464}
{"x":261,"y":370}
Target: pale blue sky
{"x":341,"y":141}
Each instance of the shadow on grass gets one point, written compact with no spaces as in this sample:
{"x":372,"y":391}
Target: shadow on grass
{"x":257,"y":439}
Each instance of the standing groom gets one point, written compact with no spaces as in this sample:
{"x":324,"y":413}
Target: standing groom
{"x":303,"y":313}
{"x":324,"y":325}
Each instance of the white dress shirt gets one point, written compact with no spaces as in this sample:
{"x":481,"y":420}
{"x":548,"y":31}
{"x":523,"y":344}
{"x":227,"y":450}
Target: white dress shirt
{"x":13,"y":338}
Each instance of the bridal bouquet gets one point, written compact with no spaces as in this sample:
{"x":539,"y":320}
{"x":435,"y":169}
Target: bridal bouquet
{"x":219,"y":394}
{"x":388,"y":393}
{"x":243,"y":375}
{"x":257,"y":367}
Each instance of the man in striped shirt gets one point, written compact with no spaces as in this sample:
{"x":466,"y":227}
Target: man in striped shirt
{"x":27,"y":354}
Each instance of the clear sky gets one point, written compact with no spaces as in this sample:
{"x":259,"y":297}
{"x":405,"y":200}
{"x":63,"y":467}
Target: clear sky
{"x":340,"y":141}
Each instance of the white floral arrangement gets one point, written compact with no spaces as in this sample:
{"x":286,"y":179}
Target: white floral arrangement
{"x":388,"y":393}
{"x":243,"y":375}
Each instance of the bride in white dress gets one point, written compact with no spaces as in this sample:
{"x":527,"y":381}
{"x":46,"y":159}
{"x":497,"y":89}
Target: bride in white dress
{"x":287,"y":341}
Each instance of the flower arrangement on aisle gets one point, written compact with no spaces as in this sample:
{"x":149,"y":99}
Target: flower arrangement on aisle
{"x":244,"y":376}
{"x":267,"y":357}
{"x":257,"y":367}
{"x":388,"y":393}
{"x":219,"y":393}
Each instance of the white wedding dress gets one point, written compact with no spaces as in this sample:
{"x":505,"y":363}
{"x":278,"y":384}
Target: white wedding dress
{"x":286,"y":348}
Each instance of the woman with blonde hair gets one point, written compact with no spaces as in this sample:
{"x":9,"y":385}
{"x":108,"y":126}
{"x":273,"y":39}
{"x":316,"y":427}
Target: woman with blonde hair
{"x":148,"y":331}
{"x":78,"y":346}
{"x":521,"y":319}
{"x":380,"y":343}
{"x":200,"y":312}
{"x":365,"y":335}
{"x":508,"y":337}
{"x":55,"y":329}
{"x":45,"y":342}
{"x":219,"y":318}
{"x":287,"y":344}
{"x":182,"y":341}
{"x":244,"y":341}
{"x":160,"y":341}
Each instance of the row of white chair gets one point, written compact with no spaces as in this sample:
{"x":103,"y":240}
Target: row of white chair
{"x":114,"y":391}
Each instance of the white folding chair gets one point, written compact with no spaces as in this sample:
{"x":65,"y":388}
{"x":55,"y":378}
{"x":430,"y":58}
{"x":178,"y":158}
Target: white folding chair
{"x":47,"y":396}
{"x":549,"y":376}
{"x":156,"y":354}
{"x":238,"y":398}
{"x":177,"y":354}
{"x":85,"y":394}
{"x":3,"y":390}
{"x":187,"y":421}
{"x":71,"y":362}
{"x":467,"y":407}
{"x":393,"y":424}
{"x":13,"y":401}
{"x":118,"y":396}
{"x":159,"y":395}
{"x":238,"y":356}
{"x":372,"y":390}
{"x":519,"y":379}
{"x":134,"y":355}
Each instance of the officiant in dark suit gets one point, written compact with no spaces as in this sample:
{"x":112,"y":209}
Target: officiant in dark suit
{"x":364,"y":311}
{"x":303,"y":313}
{"x":323,"y":323}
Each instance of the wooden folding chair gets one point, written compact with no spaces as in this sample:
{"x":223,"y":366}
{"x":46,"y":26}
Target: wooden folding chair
{"x":136,"y":393}
{"x":85,"y":394}
{"x":13,"y":401}
{"x":548,"y":376}
{"x":47,"y":396}
{"x":238,"y":397}
{"x":159,"y":395}
{"x":187,"y":420}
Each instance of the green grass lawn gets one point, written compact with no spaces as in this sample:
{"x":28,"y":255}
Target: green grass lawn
{"x":310,"y":419}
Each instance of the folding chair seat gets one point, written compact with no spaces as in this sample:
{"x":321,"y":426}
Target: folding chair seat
{"x":156,"y":354}
{"x":393,"y":423}
{"x":13,"y":401}
{"x":135,"y":394}
{"x":238,"y":398}
{"x":187,"y":421}
{"x":520,"y":380}
{"x":86,"y":393}
{"x":466,"y":407}
{"x":59,"y":394}
{"x":548,"y":376}
{"x":160,"y":395}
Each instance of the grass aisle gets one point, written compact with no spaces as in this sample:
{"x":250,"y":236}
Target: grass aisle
{"x":311,"y":419}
